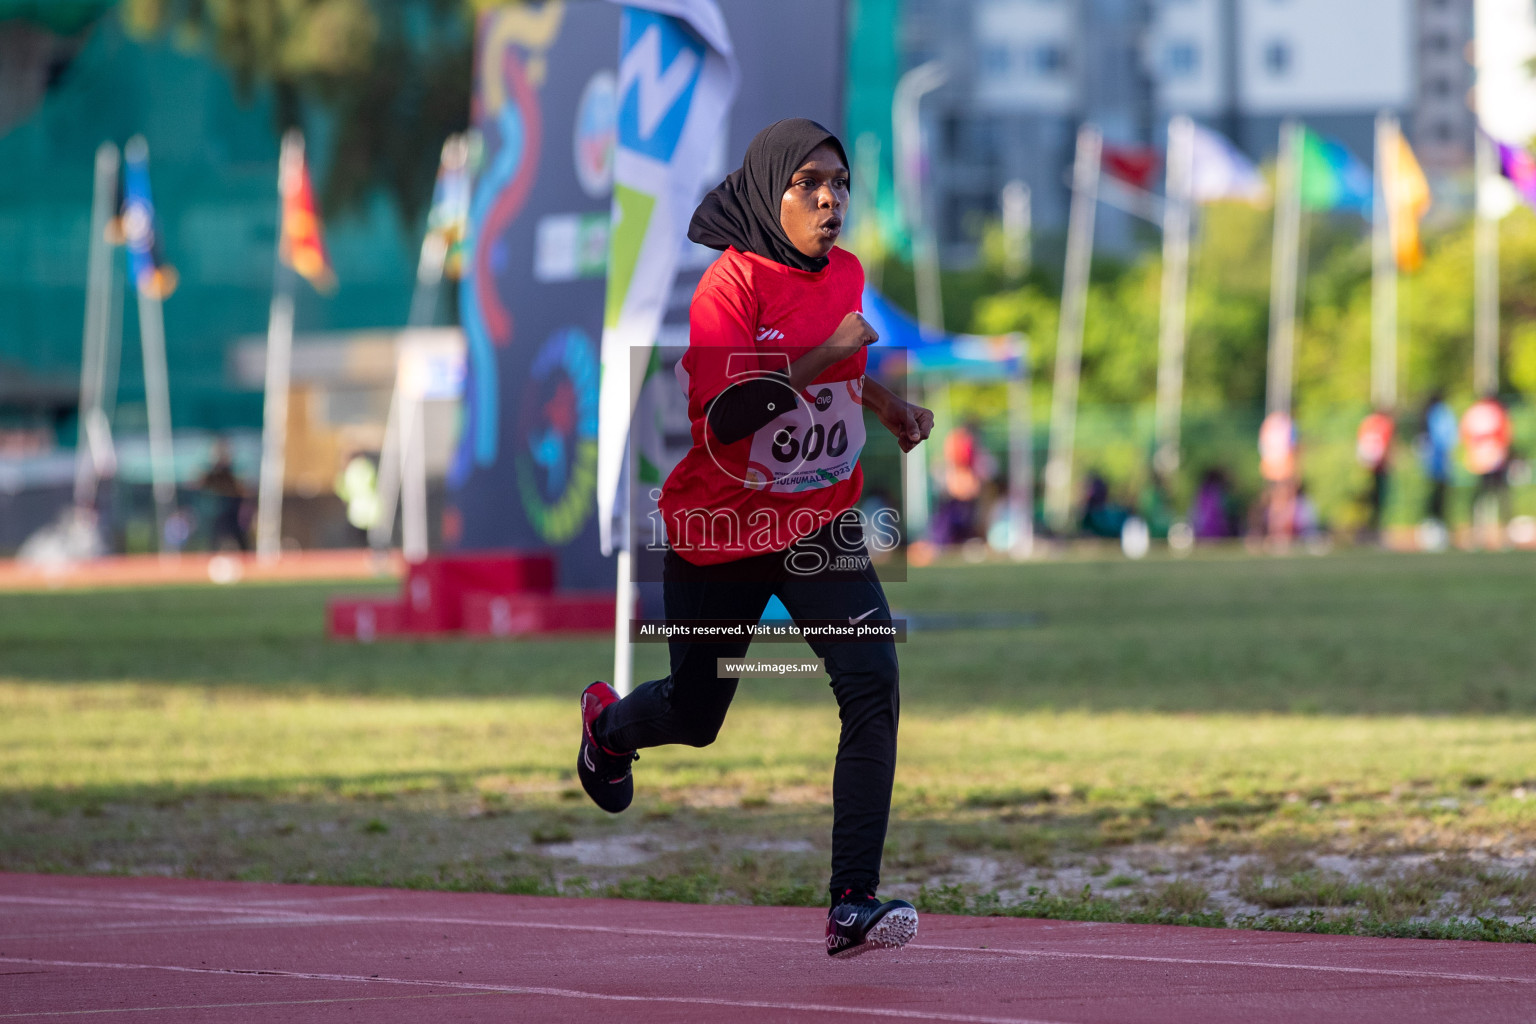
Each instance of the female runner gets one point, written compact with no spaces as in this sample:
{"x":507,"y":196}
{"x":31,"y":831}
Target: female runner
{"x":764,"y":503}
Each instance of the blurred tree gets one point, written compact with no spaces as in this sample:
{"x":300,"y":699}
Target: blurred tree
{"x":1229,"y":316}
{"x":38,"y":40}
{"x":1228,"y":339}
{"x":393,"y":75}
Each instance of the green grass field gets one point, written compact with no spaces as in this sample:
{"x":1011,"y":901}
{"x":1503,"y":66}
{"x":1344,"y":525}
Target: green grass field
{"x":1344,"y":743}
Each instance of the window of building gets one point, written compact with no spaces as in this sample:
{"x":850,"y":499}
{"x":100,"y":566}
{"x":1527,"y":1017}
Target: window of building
{"x":1047,"y":59}
{"x":1438,"y":42}
{"x":995,"y":60}
{"x":1181,"y":58}
{"x":1445,"y":131}
{"x":1277,"y":57}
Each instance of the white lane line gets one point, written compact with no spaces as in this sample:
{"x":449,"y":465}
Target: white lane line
{"x":160,"y":927}
{"x":238,"y":1006}
{"x":1206,"y":962}
{"x":304,"y":917}
{"x":539,"y":990}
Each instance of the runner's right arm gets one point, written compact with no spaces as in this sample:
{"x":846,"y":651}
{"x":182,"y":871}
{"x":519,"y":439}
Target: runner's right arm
{"x":739,"y":411}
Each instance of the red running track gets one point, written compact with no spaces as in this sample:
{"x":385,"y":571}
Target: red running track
{"x":106,"y":949}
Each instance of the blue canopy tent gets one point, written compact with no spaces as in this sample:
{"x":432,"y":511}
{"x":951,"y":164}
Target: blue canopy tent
{"x":906,"y":349}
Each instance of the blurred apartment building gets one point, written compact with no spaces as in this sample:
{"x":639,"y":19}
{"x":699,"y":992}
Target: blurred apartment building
{"x":1023,"y":74}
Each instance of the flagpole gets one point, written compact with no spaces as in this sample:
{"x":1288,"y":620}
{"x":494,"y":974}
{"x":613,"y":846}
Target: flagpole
{"x":157,"y":397}
{"x":1384,"y":268}
{"x":1485,"y":331}
{"x":274,"y":425}
{"x":413,"y":477}
{"x":98,"y":317}
{"x":1015,"y":201}
{"x":624,"y":590}
{"x":1170,"y":363}
{"x":1069,"y":338}
{"x":383,"y":528}
{"x":906,"y":126}
{"x":158,"y":400}
{"x":914,"y":465}
{"x":404,"y":428}
{"x":1021,"y":462}
{"x":1283,"y":271}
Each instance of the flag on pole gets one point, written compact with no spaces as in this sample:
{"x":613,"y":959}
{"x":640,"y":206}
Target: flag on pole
{"x":151,"y":274}
{"x":1134,"y":165}
{"x":1518,"y":165}
{"x":677,"y":78}
{"x":448,"y":219}
{"x":1222,"y":172}
{"x":1331,"y":177}
{"x":1407,"y":199}
{"x":302,"y":245}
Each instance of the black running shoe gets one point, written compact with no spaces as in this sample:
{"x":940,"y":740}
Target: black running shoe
{"x":864,"y":923}
{"x":604,"y":773}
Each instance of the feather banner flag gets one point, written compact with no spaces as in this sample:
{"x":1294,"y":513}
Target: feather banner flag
{"x":1221,"y":172}
{"x":151,"y":274}
{"x":677,"y":79}
{"x":448,"y":219}
{"x":1406,"y":192}
{"x":1331,"y":177}
{"x":1519,"y":166}
{"x":302,"y":245}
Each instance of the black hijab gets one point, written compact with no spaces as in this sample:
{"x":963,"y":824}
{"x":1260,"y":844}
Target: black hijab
{"x":743,"y":210}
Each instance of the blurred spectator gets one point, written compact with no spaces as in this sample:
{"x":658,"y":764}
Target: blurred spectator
{"x":1277,"y":464}
{"x":1373,"y":449}
{"x":358,"y":485}
{"x":1308,"y":524}
{"x":1437,"y":437}
{"x":1211,"y":517}
{"x":1101,"y":517}
{"x":1485,"y":439}
{"x":176,"y":531}
{"x":1154,"y":506}
{"x":968,"y":467}
{"x":228,"y":495}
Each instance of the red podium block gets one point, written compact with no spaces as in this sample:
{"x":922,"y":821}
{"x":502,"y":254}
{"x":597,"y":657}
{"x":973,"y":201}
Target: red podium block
{"x":435,"y":589}
{"x":526,"y":614}
{"x":363,"y":619}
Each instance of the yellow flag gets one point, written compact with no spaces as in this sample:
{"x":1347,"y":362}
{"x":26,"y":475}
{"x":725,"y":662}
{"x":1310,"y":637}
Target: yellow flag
{"x":1407,"y":196}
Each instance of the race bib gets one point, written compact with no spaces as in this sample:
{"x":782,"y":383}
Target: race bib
{"x":816,"y":444}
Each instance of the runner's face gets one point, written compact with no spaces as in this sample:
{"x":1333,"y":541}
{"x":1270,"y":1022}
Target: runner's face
{"x":813,"y":206}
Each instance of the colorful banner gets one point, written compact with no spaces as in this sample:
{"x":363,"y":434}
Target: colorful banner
{"x":448,"y":219}
{"x":302,"y":244}
{"x":1219,"y":171}
{"x":677,"y":79}
{"x":1134,"y":165}
{"x":545,"y":107}
{"x":1331,"y":177}
{"x":1519,"y":167}
{"x":1406,"y":192}
{"x":151,"y":274}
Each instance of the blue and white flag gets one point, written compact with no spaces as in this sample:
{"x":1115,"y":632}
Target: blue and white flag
{"x":153,"y":276}
{"x":677,"y":79}
{"x":1220,"y":171}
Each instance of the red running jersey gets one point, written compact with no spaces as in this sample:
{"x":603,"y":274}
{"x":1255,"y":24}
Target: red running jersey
{"x":1486,"y":436}
{"x":760,"y":494}
{"x":1373,"y":442}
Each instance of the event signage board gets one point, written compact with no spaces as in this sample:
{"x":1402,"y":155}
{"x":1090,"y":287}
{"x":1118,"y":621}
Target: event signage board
{"x":532,"y":298}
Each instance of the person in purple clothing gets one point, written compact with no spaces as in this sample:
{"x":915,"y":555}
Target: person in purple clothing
{"x":1210,"y":518}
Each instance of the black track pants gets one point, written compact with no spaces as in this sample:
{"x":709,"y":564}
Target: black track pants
{"x":689,"y":705}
